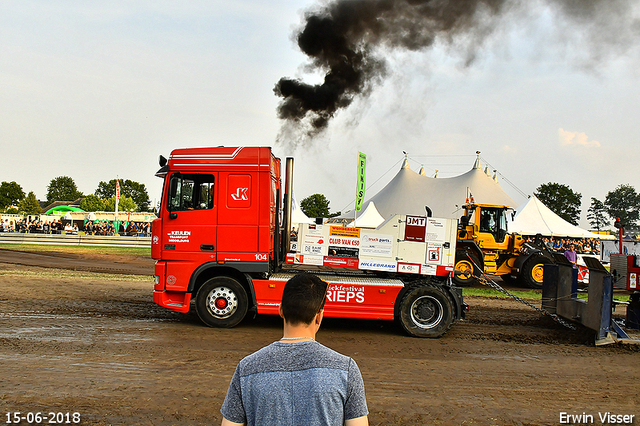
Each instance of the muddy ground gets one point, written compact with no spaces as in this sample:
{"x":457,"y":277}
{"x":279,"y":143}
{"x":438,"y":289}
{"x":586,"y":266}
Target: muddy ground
{"x":95,"y":343}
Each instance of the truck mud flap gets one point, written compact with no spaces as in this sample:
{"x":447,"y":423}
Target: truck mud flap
{"x":456,"y":295}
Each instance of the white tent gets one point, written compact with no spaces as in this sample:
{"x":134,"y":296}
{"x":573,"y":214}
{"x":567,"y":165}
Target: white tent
{"x":410,"y":193}
{"x":536,"y":218}
{"x":369,"y":218}
{"x":297,"y":215}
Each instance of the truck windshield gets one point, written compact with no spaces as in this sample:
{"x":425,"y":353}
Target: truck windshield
{"x":191,"y":192}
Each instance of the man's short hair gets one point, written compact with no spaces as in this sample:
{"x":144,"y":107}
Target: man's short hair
{"x":303,"y":297}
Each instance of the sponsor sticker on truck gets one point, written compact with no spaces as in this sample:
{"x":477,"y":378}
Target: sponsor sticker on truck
{"x":376,"y":245}
{"x":409,"y":268}
{"x":344,"y":247}
{"x":314,"y":245}
{"x":345,"y":294}
{"x":436,"y":229}
{"x":179,"y":236}
{"x":340,"y":262}
{"x":377,"y":265}
{"x":434,"y":253}
{"x":343,"y":231}
{"x":415,"y":229}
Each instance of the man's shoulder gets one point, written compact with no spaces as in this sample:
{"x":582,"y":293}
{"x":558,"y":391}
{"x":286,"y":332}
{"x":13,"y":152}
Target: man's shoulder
{"x":293,"y":357}
{"x":308,"y":347}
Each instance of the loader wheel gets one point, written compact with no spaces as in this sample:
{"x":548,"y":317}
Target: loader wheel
{"x":221,"y":302}
{"x":464,"y":271}
{"x":532,"y":272}
{"x":426,"y":311}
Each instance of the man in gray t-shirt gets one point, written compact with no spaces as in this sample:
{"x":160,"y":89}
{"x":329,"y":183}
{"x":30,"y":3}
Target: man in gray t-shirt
{"x":297,"y":381}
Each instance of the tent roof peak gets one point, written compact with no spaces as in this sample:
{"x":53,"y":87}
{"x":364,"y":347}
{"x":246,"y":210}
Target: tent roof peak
{"x":476,"y":164}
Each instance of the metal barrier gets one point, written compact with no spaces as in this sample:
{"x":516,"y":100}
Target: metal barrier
{"x":78,"y":240}
{"x":559,"y":296}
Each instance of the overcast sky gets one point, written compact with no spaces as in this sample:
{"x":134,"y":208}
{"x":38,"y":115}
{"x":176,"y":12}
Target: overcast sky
{"x":95,"y":90}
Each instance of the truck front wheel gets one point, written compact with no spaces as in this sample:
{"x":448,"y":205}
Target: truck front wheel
{"x":426,"y":311}
{"x":221,"y":302}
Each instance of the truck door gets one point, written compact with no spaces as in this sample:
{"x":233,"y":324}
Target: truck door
{"x":239,"y":216}
{"x":189,"y":229}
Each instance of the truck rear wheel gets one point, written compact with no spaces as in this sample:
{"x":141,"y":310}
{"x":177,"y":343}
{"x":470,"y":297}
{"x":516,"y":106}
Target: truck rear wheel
{"x":532,"y":272}
{"x":426,"y":311}
{"x":221,"y":302}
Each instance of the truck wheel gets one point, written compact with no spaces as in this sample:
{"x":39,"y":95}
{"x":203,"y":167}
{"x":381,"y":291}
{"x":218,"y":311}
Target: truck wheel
{"x":464,"y":270}
{"x":426,"y":311}
{"x":532,"y":272}
{"x":221,"y":302}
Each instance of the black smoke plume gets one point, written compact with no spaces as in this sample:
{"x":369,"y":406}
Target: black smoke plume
{"x":344,"y":40}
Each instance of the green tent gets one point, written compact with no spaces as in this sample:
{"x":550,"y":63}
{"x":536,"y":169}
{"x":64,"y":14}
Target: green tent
{"x":62,"y":210}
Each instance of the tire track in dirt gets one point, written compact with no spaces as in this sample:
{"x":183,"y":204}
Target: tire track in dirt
{"x":111,"y":264}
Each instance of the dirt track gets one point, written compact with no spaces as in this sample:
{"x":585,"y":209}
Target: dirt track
{"x":73,"y":341}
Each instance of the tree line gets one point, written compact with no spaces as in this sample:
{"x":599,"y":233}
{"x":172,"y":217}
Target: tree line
{"x":133,"y":196}
{"x":623,"y":202}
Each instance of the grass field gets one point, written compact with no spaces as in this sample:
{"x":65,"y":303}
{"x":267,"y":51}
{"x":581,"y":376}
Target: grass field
{"x":41,"y":248}
{"x":488,"y":292}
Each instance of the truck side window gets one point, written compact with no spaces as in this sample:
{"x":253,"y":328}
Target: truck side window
{"x":191,"y":192}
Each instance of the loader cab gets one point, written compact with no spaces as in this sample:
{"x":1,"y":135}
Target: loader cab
{"x":487,"y":225}
{"x":493,"y":221}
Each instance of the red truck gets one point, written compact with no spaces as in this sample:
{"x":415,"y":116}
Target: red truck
{"x":222,"y":243}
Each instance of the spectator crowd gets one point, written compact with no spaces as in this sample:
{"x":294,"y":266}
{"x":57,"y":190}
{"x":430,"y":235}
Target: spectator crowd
{"x":34,"y":226}
{"x":37,"y":226}
{"x":582,"y":245}
{"x":132,"y":229}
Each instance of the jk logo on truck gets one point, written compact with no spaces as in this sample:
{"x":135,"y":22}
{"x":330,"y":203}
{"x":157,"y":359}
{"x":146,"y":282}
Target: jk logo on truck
{"x":241,"y":194}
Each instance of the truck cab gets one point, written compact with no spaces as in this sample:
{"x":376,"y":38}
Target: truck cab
{"x":217,"y":212}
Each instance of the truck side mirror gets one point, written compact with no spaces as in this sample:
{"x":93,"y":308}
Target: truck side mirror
{"x":173,"y":190}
